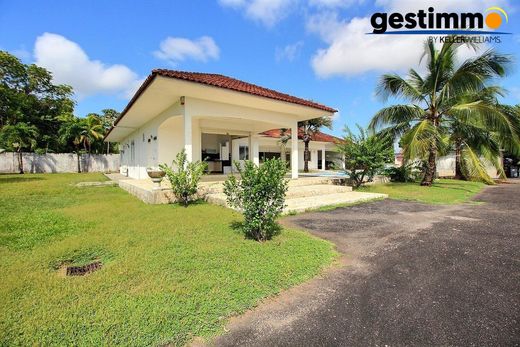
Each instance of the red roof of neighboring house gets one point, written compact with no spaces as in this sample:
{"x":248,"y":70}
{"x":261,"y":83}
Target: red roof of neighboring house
{"x":319,"y":136}
{"x":222,"y":81}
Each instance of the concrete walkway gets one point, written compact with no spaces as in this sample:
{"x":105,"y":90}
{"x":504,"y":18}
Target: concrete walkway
{"x":304,"y":194}
{"x":412,"y":274}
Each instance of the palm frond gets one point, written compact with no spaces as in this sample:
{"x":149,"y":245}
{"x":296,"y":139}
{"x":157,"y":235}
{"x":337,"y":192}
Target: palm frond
{"x":419,"y":139}
{"x":396,"y":114}
{"x":395,"y":85}
{"x":473,"y":167}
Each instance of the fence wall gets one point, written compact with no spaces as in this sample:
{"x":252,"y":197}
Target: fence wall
{"x":59,"y":162}
{"x":446,"y":167}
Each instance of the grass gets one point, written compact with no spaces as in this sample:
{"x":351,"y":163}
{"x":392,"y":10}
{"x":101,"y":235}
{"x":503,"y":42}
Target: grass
{"x":443,"y":191}
{"x":170,"y":273}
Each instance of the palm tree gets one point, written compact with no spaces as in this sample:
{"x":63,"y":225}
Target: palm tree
{"x":435,"y":100}
{"x":92,"y":130}
{"x":285,"y":136}
{"x":71,"y":132}
{"x":475,"y":141}
{"x":309,"y":129}
{"x":18,"y":137}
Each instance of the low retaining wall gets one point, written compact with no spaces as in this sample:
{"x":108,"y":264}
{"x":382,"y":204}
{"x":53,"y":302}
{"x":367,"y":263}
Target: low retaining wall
{"x":446,"y":167}
{"x":59,"y":162}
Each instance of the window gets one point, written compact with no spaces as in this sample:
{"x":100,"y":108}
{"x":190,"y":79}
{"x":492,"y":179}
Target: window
{"x":243,"y":153}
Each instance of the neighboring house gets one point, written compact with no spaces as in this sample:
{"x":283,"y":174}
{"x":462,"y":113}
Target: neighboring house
{"x":212,"y":117}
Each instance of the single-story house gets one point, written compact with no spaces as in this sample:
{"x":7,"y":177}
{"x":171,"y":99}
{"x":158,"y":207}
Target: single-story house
{"x":215,"y":118}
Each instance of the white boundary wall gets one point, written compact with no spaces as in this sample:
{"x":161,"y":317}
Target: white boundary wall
{"x":59,"y":162}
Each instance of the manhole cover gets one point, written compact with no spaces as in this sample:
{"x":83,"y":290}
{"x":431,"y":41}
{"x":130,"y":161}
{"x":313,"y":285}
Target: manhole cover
{"x":83,"y":270}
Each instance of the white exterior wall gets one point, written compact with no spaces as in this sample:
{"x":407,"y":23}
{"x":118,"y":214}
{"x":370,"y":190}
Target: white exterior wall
{"x":159,"y":140}
{"x":167,"y":130}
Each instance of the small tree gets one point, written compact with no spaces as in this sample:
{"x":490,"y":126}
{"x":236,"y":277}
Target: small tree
{"x":365,"y":154}
{"x":260,"y":194}
{"x":19,"y":137}
{"x":184,"y":177}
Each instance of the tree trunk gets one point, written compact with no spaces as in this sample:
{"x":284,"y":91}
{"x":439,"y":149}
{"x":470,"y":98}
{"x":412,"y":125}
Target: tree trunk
{"x":108,"y":148}
{"x":283,"y":155}
{"x":431,"y":167}
{"x":79,"y":164}
{"x":20,"y":161}
{"x":458,"y":162}
{"x":306,"y":155}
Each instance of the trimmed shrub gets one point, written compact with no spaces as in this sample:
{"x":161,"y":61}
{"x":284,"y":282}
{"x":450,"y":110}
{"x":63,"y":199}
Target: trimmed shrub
{"x":260,"y":195}
{"x":184,"y":176}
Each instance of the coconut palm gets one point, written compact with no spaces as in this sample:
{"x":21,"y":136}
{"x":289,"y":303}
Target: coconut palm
{"x":18,"y":137}
{"x":476,"y":142}
{"x":435,"y":101}
{"x":309,"y":129}
{"x":92,"y":130}
{"x":285,"y":136}
{"x":71,"y":132}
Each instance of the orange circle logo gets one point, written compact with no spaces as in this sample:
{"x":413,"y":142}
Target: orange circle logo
{"x":493,"y":20}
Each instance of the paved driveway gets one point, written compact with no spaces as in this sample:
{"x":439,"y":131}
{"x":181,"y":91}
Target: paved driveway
{"x":412,"y":274}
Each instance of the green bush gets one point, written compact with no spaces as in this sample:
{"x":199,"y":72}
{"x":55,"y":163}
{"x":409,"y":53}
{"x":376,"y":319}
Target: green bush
{"x":365,"y":154}
{"x":404,"y":173}
{"x":260,"y":195}
{"x":184,"y":176}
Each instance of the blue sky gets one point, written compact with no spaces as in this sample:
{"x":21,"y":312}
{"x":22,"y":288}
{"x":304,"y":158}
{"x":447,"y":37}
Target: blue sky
{"x":315,"y":49}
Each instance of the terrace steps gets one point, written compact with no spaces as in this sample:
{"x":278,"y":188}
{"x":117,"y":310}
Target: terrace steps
{"x":307,"y":194}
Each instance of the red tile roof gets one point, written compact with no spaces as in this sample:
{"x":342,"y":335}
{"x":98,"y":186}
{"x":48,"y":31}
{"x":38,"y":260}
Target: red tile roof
{"x":319,"y":136}
{"x":222,"y":81}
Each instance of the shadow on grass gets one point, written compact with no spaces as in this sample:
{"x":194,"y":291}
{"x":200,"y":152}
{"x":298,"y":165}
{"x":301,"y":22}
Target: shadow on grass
{"x":239,"y":228}
{"x":191,"y":203}
{"x":21,"y":178}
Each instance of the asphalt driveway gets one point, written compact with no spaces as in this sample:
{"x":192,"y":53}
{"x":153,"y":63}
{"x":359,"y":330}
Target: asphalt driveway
{"x":412,"y":274}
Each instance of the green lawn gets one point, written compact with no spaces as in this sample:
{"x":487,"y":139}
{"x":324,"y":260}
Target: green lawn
{"x":170,"y":273}
{"x":443,"y":191}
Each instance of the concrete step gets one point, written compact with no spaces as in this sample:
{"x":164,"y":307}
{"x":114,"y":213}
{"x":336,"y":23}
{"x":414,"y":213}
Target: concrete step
{"x":295,"y":205}
{"x":218,"y":187}
{"x":312,"y":201}
{"x":315,"y":190}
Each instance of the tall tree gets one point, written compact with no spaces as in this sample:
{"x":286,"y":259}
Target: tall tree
{"x":108,"y":117}
{"x":19,"y":137}
{"x":435,"y":99}
{"x":28,"y":95}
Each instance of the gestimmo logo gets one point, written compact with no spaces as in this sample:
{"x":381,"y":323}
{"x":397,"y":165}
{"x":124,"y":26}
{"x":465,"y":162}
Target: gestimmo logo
{"x":439,"y":23}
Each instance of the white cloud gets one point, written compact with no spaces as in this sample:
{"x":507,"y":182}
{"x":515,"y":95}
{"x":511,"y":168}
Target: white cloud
{"x":178,"y":49}
{"x":267,"y":12}
{"x":69,"y":64}
{"x":335,"y":3}
{"x":289,"y":52}
{"x":350,"y":51}
{"x":441,"y":5}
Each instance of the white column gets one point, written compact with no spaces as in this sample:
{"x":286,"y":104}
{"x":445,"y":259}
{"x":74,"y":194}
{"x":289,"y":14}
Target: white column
{"x":294,"y":150}
{"x":249,"y":147}
{"x":188,"y":145}
{"x":323,"y":159}
{"x":256,"y":150}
